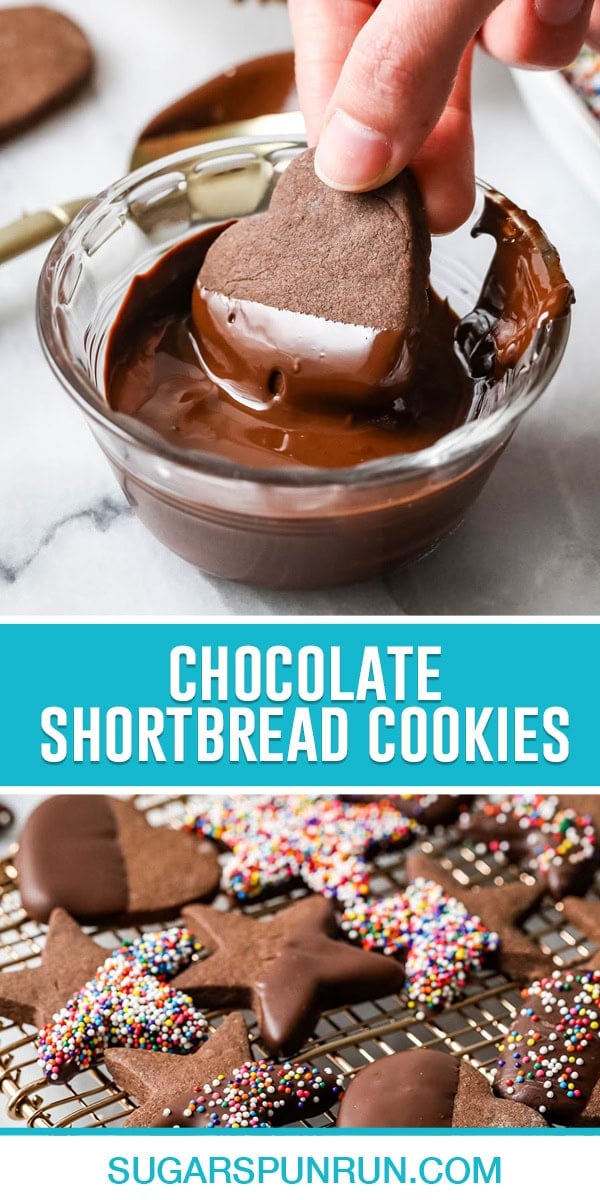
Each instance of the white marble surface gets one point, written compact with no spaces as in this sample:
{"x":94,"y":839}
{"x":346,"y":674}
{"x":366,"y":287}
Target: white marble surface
{"x":68,"y":544}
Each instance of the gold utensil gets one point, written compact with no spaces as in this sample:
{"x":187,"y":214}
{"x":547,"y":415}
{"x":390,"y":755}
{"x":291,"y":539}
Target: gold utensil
{"x":231,"y":105}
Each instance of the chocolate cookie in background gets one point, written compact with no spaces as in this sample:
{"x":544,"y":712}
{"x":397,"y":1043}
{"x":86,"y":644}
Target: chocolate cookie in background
{"x":428,"y":809}
{"x":45,"y":59}
{"x":554,"y":837}
{"x":323,"y":296}
{"x":500,"y":908}
{"x":99,"y":859}
{"x":427,"y":1088}
{"x":287,"y":969}
{"x":550,"y":1057}
{"x":7,"y":818}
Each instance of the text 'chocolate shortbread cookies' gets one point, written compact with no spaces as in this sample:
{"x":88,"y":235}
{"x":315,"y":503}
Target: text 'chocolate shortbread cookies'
{"x":426,"y":1088}
{"x":44,"y":60}
{"x":321,"y":299}
{"x":98,"y":857}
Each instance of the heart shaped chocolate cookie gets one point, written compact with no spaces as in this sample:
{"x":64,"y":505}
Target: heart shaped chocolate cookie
{"x":320,"y":299}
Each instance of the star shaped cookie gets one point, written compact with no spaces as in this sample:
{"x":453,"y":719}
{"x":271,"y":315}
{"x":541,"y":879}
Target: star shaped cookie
{"x":287,"y":969}
{"x":156,"y":1080}
{"x":277,"y":841}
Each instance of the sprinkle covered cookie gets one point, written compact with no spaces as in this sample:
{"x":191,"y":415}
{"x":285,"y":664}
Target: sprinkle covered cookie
{"x":277,"y":841}
{"x":549,"y":836}
{"x":550,"y":1057}
{"x":437,"y":938}
{"x":127,"y":1003}
{"x":257,"y":1095}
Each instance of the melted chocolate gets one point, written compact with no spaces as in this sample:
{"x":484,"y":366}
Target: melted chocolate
{"x":154,"y":372}
{"x":412,"y":1089}
{"x":251,"y":89}
{"x":257,"y":1094}
{"x":69,"y":857}
{"x":524,"y":288}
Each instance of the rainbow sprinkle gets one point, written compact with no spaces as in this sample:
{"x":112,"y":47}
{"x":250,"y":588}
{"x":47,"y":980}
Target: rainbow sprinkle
{"x":324,"y":842}
{"x":552,"y":1053}
{"x":442,"y":942}
{"x":584,"y":77}
{"x":127,"y":1003}
{"x":262,"y":1094}
{"x":553,"y":834}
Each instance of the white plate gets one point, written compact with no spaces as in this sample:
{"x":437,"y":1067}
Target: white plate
{"x":566,"y":121}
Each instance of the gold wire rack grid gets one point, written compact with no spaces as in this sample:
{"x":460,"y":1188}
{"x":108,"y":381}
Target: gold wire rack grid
{"x":345,"y":1039}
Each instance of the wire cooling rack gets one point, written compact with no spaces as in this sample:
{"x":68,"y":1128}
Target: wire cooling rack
{"x":346,"y":1038}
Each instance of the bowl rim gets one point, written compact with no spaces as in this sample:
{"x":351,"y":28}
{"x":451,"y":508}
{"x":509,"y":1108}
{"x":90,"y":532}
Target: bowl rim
{"x":488,"y":432}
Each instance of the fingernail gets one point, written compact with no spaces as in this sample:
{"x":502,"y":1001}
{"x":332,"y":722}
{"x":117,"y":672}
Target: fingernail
{"x":351,"y":156}
{"x":558,"y":12}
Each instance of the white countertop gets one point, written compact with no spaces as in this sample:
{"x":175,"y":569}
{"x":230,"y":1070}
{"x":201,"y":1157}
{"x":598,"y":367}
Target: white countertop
{"x":68,"y":543}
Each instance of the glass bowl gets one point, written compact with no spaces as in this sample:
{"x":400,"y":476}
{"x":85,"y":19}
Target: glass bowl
{"x":283,"y":527}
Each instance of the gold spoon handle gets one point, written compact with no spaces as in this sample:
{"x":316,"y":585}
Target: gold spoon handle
{"x":35,"y":228}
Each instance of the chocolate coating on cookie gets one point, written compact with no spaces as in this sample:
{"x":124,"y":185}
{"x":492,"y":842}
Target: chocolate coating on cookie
{"x":321,"y":299}
{"x":550,"y":1058}
{"x":426,"y":1088}
{"x":256,"y":1094}
{"x":97,"y":857}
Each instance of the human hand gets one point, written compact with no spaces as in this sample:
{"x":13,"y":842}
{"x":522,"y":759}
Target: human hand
{"x":384,"y":83}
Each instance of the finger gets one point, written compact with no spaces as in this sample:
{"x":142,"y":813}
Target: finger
{"x":445,"y":164}
{"x":537,"y":33}
{"x":593,"y":36}
{"x":324,"y":31}
{"x":393,"y":88}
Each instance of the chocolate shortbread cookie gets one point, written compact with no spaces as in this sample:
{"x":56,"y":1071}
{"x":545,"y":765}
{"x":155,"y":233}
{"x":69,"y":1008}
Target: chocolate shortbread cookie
{"x":323,"y":296}
{"x":428,"y":808}
{"x":551,"y":836}
{"x":255,"y":1095}
{"x":278,"y":841}
{"x":156,"y":1080}
{"x":417,"y":1088}
{"x":98,"y":857}
{"x":439,"y":942}
{"x":82,"y":998}
{"x":44,"y":61}
{"x":501,"y":908}
{"x":550,"y":1057}
{"x":287,"y":969}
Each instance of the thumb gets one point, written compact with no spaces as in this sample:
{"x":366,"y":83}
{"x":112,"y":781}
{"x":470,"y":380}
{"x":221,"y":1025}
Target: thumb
{"x":393,"y":88}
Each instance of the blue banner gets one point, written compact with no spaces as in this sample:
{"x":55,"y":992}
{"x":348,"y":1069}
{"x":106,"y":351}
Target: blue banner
{"x":341,"y":706}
